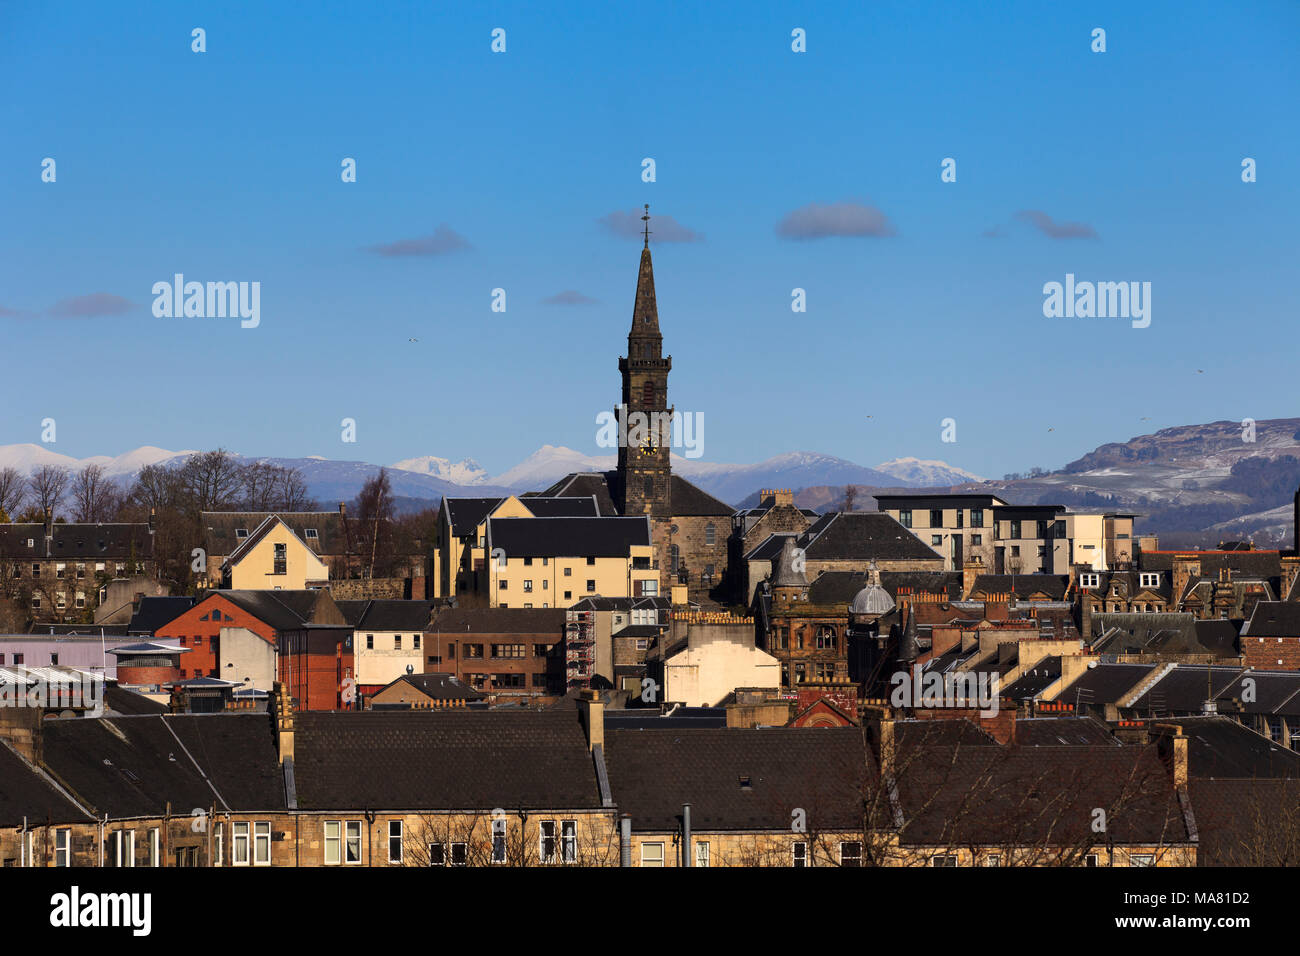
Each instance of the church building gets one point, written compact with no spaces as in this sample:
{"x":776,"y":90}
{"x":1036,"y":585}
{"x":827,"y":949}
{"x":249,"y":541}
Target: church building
{"x":689,"y":526}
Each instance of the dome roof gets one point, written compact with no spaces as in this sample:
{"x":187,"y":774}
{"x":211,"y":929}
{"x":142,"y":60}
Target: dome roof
{"x":873,"y":599}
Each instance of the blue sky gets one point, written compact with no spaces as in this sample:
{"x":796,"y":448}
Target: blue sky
{"x":225,"y":165}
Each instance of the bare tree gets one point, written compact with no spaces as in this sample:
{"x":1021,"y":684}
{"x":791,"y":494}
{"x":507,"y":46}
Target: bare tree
{"x":291,"y":491}
{"x":211,"y":480}
{"x":13,"y":489}
{"x":375,"y":515}
{"x":46,"y":487}
{"x":850,"y":496}
{"x":257,"y":486}
{"x":94,"y":495}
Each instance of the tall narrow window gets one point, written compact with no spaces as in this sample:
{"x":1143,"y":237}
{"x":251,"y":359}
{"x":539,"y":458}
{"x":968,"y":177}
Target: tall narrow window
{"x":569,"y":840}
{"x":498,"y":841}
{"x":262,"y":844}
{"x":710,"y":534}
{"x":394,"y":841}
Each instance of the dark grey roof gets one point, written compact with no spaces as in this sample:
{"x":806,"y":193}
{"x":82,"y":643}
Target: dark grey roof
{"x":840,"y":587}
{"x":453,"y":759}
{"x":567,"y":537}
{"x":383,"y":615}
{"x":127,"y":702}
{"x":863,"y":535}
{"x":27,"y":794}
{"x":1265,"y":564}
{"x":1105,"y":683}
{"x":153,"y":612}
{"x":1184,"y":689}
{"x":282,"y":610}
{"x":135,"y":766}
{"x":76,"y":542}
{"x":439,"y":686}
{"x":221,"y":537}
{"x":1035,"y":680}
{"x":686,"y":499}
{"x":1063,"y":731}
{"x":1221,"y":747}
{"x":1273,"y":619}
{"x":1246,"y":822}
{"x":653,"y":772}
{"x":466,"y":514}
{"x":1023,"y":586}
{"x":590,"y":484}
{"x":562,"y":507}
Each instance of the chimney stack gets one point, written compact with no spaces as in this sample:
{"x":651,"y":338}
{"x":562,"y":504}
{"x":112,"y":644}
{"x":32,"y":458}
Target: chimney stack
{"x":971,"y":569}
{"x":1173,"y":747}
{"x":283,"y":709}
{"x":591,"y":711}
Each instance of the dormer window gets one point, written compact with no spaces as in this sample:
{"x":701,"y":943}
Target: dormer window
{"x":311,"y":534}
{"x":1150,"y":579}
{"x":241,"y":533}
{"x":1089,"y":580}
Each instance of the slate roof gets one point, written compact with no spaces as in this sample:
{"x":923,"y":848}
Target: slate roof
{"x":1105,"y":683}
{"x":1264,"y":564}
{"x":466,"y":514}
{"x":154,"y":612}
{"x":135,"y":766}
{"x":840,"y":587}
{"x":282,"y":610}
{"x":25,"y":792}
{"x":687,"y":500}
{"x":653,"y":772}
{"x":562,"y":507}
{"x":1167,"y":633}
{"x":76,"y":542}
{"x":392,"y":615}
{"x":1185,"y":688}
{"x":1273,"y":619}
{"x":864,"y":535}
{"x":454,"y":759}
{"x":1037,"y":796}
{"x":1023,"y":586}
{"x":1035,"y":680}
{"x":567,"y":537}
{"x":499,"y":620}
{"x":439,"y":686}
{"x":1220,"y":747}
{"x":1063,"y":732}
{"x":590,"y":484}
{"x":1247,"y":822}
{"x":220,"y":539}
{"x":129,"y":703}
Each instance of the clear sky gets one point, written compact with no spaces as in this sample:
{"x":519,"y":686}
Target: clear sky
{"x":505,"y":169}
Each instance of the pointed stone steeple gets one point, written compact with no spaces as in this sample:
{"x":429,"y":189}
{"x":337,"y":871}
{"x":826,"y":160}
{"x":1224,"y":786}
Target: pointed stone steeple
{"x":645,"y":312}
{"x":909,"y":648}
{"x":788,"y":571}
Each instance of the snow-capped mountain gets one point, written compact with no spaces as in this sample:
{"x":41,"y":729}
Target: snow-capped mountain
{"x":926,"y":473}
{"x":28,"y":456}
{"x":548,"y":464}
{"x":464,"y":472}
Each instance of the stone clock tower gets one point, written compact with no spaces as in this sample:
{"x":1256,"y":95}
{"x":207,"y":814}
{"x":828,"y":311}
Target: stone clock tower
{"x":644,"y":468}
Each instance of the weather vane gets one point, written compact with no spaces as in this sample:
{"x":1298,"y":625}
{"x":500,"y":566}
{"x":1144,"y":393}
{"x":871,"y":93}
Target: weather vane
{"x":646,"y":220}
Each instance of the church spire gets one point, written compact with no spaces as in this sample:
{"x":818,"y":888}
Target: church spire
{"x":645,"y":312}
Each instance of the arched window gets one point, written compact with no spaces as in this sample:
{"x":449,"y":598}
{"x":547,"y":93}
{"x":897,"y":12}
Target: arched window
{"x":710,"y":534}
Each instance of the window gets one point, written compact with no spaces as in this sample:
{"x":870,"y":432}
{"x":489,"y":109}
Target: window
{"x":54,"y":660}
{"x":281,"y":559}
{"x":63,"y":848}
{"x":1140,"y":859}
{"x":1042,"y":529}
{"x":1091,"y":860}
{"x":568,"y":595}
{"x":473,"y":650}
{"x":591,"y":586}
{"x":591,"y":562}
{"x":977,"y":539}
{"x":154,"y":859}
{"x":652,"y":854}
{"x":943,"y":860}
{"x":936,"y":540}
{"x":333,"y":842}
{"x":1089,"y":580}
{"x":993,"y":859}
{"x":528,"y":585}
{"x":239,"y":844}
{"x":1015,"y":550}
{"x":546,"y":841}
{"x":905,"y":517}
{"x":960,"y":515}
{"x":58,"y":570}
{"x":502,"y":585}
{"x":710,"y":534}
{"x":643,"y":643}
{"x":262,"y":844}
{"x":397,"y":642}
{"x":394,"y":841}
{"x":81,"y":570}
{"x":702,"y":853}
{"x":1150,"y":579}
{"x":241,"y":534}
{"x":936,"y":517}
{"x":568,"y":572}
{"x":352,"y":846}
{"x":569,"y":840}
{"x":851,"y":854}
{"x":459,"y":854}
{"x":826,"y":639}
{"x":218,"y":844}
{"x":437,"y":854}
{"x":648,"y":488}
{"x":310,"y":534}
{"x":36,"y":602}
{"x":507,"y":650}
{"x":415,"y":641}
{"x":370,"y":642}
{"x":498,"y":841}
{"x":800,"y":854}
{"x":62,"y":600}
